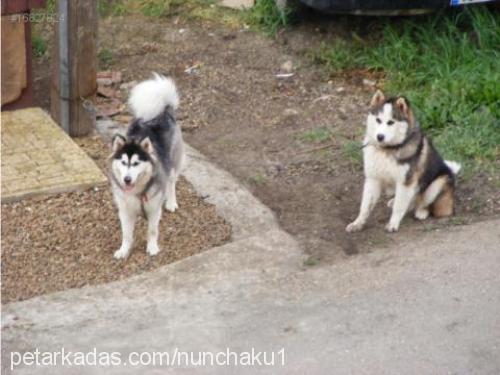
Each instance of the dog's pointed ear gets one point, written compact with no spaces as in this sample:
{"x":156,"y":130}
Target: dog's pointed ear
{"x":146,"y":145}
{"x":377,"y":99}
{"x":118,"y":142}
{"x":403,"y":106}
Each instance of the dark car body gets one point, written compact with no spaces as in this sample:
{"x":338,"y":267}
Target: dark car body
{"x":384,"y":6}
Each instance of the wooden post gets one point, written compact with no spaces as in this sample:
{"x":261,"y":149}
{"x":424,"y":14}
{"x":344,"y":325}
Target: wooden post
{"x":82,"y":21}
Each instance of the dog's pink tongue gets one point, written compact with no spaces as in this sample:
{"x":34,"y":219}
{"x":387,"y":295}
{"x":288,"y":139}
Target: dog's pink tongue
{"x":128,"y":188}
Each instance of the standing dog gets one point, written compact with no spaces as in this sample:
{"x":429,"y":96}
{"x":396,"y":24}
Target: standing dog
{"x":145,"y":165}
{"x":398,"y":157}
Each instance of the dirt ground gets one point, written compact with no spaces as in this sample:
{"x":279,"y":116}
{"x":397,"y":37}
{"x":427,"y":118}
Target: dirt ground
{"x":293,"y":141}
{"x":68,"y":240}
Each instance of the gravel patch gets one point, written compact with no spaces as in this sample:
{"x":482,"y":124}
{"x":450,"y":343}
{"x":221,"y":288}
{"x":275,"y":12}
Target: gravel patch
{"x":67,"y":240}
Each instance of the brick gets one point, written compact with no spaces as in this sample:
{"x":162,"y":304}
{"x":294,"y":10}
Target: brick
{"x":8,"y":171}
{"x":39,"y":158}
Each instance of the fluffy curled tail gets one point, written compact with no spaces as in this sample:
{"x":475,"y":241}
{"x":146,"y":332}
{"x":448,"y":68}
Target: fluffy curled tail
{"x":454,"y":166}
{"x":149,"y":98}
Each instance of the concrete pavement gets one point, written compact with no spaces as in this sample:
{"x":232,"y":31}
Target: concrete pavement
{"x":431,"y":307}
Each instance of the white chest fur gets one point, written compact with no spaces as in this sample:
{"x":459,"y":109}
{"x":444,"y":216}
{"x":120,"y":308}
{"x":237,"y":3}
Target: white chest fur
{"x":136,"y":205}
{"x":380,"y":165}
{"x":127,"y":202}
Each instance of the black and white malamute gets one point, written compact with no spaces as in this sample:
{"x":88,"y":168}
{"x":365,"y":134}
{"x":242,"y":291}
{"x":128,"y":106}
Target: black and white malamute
{"x":145,"y":164}
{"x":399,"y":159}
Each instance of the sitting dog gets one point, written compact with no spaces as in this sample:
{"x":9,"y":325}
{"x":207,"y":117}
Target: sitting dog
{"x":399,"y":158}
{"x":145,"y":164}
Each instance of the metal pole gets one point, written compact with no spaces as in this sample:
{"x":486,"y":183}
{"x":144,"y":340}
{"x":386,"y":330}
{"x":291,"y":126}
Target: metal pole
{"x":64,"y":76}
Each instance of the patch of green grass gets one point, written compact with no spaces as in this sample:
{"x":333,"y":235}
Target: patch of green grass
{"x":204,"y":10}
{"x":319,"y":135}
{"x":476,"y":143}
{"x":198,"y":10}
{"x":105,"y":57}
{"x":339,"y":55}
{"x":105,"y":7}
{"x":213,"y":12}
{"x":149,"y":8}
{"x":208,"y":10}
{"x":155,"y":8}
{"x":38,"y":45}
{"x":50,"y":6}
{"x":448,"y":65}
{"x":113,"y":8}
{"x":266,"y":16}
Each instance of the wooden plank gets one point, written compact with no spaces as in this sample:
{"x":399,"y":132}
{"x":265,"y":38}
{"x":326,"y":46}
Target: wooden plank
{"x":83,"y":21}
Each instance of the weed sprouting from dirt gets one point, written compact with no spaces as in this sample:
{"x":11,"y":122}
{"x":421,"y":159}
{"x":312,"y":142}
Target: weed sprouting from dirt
{"x":266,"y":15}
{"x":257,"y":179}
{"x":448,"y":65}
{"x":311,"y":262}
{"x":105,"y":57}
{"x":352,"y":151}
{"x":38,"y":45}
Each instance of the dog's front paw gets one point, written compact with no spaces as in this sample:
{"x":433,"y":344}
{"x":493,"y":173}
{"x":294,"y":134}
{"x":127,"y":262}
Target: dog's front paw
{"x":355,"y":226}
{"x":171,"y":206}
{"x":121,"y":253}
{"x":152,"y":249}
{"x":391,"y":227}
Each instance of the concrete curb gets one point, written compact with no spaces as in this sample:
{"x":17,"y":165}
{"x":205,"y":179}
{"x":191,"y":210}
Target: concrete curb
{"x":246,"y":214}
